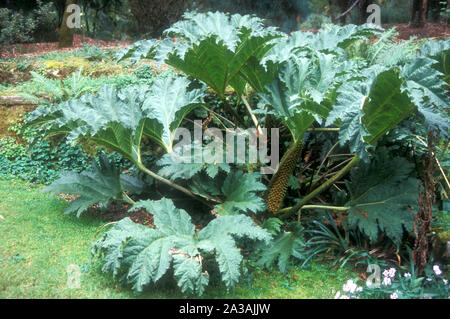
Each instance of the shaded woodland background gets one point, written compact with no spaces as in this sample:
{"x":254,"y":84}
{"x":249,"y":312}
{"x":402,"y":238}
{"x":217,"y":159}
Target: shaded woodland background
{"x":25,"y":21}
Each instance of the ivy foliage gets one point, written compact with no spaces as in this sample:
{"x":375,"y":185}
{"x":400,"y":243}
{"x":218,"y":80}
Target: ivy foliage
{"x":143,"y":255}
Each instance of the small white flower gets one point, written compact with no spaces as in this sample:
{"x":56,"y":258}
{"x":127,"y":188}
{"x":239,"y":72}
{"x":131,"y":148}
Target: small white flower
{"x":429,"y":279}
{"x":350,"y":286}
{"x":359,"y":289}
{"x":407,"y":275}
{"x":391,"y":272}
{"x":445,"y":281}
{"x":394,"y":296}
{"x":387,"y":281}
{"x":437,"y":270}
{"x":344,"y":297}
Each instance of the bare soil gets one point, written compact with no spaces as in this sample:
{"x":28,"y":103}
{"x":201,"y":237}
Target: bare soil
{"x":118,"y":212}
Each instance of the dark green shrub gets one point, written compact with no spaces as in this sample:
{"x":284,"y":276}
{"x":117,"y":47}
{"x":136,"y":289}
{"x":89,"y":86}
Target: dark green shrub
{"x":15,"y":27}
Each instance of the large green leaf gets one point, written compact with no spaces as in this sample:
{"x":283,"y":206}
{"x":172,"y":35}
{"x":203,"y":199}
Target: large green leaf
{"x":217,"y":237}
{"x":168,"y":101}
{"x":181,"y":163}
{"x":383,"y":197}
{"x":427,"y":89}
{"x":143,"y":255}
{"x":304,"y":90}
{"x":332,"y":39}
{"x":367,"y":109}
{"x":206,"y":61}
{"x":425,"y":84}
{"x":197,"y":26}
{"x":119,"y":119}
{"x":101,"y":185}
{"x":239,"y":191}
{"x":220,"y":50}
{"x":144,"y":49}
{"x":212,"y":62}
{"x":288,"y":244}
{"x":439,"y":50}
{"x":224,"y":50}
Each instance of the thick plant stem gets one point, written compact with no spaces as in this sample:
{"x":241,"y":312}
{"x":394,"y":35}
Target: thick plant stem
{"x":206,"y":200}
{"x":422,"y":221}
{"x":335,"y":208}
{"x":253,"y":117}
{"x":323,"y":129}
{"x":286,"y":212}
{"x":127,"y":199}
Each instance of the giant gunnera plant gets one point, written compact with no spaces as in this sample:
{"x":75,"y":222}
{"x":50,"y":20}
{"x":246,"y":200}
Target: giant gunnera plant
{"x":307,"y":83}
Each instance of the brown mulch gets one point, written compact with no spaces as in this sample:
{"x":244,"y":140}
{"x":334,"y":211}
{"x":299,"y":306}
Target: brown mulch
{"x":430,"y":30}
{"x":117,"y":212}
{"x":34,"y":49}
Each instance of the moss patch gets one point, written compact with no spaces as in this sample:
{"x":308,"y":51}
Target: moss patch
{"x":60,"y":69}
{"x":14,"y":73}
{"x":10,"y":115}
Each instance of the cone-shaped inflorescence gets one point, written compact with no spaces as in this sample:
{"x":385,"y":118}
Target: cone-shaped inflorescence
{"x":278,"y":184}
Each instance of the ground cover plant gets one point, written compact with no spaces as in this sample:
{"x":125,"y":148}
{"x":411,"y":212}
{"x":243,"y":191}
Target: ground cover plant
{"x":363,"y":137}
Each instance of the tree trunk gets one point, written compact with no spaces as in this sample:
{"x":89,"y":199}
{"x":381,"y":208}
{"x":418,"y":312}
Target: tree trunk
{"x":343,"y":5}
{"x":363,"y":14}
{"x":416,"y":14}
{"x":344,"y":8}
{"x":65,"y":36}
{"x":424,"y":10}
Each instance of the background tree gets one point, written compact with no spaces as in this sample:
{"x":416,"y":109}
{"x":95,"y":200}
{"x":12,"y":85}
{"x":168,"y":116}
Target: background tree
{"x":155,"y":16}
{"x":416,"y":14}
{"x":92,"y":10}
{"x":363,"y":14}
{"x":340,"y":9}
{"x":65,"y":36}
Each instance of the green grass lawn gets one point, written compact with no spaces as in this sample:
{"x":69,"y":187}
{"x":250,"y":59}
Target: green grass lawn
{"x":38,"y":243}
